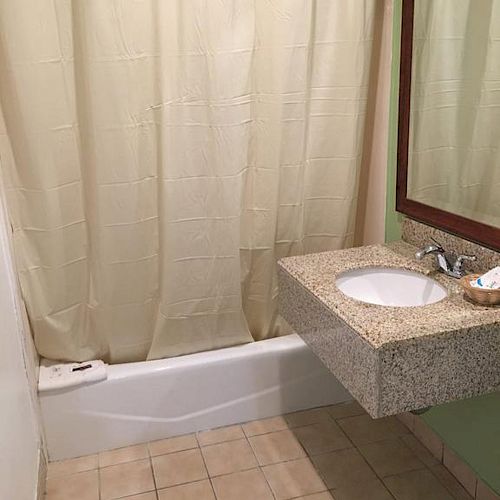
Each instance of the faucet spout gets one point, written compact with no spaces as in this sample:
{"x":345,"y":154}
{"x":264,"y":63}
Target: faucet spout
{"x":428,"y":250}
{"x":447,"y":263}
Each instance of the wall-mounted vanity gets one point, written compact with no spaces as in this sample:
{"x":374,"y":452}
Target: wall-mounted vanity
{"x":392,"y":358}
{"x":408,"y":339}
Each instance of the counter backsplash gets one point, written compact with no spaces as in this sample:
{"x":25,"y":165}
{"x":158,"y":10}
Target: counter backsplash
{"x":419,"y":234}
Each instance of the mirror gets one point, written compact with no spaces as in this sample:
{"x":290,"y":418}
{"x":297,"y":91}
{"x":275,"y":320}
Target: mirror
{"x":449,"y":123}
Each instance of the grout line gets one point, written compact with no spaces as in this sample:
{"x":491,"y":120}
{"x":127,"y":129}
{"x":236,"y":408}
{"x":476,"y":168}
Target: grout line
{"x":424,"y":467}
{"x":259,"y":467}
{"x":446,"y":487}
{"x":197,"y":447}
{"x":153,"y":474}
{"x":124,"y":463}
{"x":208,"y":474}
{"x":196,"y":439}
{"x":161,"y":454}
{"x":267,"y":482}
{"x":266,"y":432}
{"x":223,"y":442}
{"x":366,"y":461}
{"x":99,"y":479}
{"x":174,"y":486}
{"x":135,"y":494}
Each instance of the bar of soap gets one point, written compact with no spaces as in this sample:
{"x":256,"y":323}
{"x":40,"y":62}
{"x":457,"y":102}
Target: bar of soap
{"x":489,"y":280}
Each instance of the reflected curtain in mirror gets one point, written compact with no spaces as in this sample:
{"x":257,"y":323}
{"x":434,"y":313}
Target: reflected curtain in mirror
{"x":454,"y":148}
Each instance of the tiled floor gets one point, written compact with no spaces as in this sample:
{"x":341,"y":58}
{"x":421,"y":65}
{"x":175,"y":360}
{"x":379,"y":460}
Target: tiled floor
{"x":335,"y":452}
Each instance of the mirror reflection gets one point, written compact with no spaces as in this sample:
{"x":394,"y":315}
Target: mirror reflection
{"x":454,"y":153}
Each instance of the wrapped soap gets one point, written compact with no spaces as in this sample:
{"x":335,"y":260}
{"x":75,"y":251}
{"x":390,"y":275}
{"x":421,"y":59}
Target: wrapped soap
{"x":489,"y":280}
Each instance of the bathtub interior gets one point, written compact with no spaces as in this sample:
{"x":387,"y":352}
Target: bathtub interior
{"x":152,"y":400}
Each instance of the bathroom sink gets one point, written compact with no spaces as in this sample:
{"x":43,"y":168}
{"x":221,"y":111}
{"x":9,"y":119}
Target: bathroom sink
{"x":390,"y":287}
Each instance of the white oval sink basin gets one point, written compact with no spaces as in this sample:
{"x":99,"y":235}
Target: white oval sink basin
{"x":390,"y":287}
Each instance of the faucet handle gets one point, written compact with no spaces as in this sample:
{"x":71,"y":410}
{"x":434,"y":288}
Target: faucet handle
{"x":459,"y":263}
{"x":471,"y":258}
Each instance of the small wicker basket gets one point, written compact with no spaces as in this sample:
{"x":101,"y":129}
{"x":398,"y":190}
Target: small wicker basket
{"x":480,"y":295}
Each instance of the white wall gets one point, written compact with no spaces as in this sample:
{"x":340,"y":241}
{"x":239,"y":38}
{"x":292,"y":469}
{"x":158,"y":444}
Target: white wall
{"x":370,"y":219}
{"x":374,"y":228}
{"x":20,"y":434}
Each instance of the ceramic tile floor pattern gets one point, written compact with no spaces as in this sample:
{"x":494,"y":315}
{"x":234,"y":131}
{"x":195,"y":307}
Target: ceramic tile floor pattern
{"x":336,"y":452}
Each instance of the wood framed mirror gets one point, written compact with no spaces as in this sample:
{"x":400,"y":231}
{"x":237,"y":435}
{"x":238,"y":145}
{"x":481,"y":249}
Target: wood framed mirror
{"x":459,"y":190}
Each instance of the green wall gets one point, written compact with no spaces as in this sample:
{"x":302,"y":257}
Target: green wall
{"x":392,"y":218}
{"x":471,"y":427}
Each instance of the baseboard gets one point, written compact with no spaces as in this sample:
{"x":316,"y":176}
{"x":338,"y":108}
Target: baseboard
{"x":42,"y":474}
{"x":469,"y":480}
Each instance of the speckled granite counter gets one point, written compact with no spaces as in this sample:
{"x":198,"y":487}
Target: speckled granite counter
{"x":391,"y":359}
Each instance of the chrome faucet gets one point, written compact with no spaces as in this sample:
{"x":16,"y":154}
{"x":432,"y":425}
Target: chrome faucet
{"x":448,"y":262}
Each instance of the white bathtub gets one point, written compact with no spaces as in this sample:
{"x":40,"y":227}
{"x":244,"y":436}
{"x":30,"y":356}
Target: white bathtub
{"x":156,"y":399}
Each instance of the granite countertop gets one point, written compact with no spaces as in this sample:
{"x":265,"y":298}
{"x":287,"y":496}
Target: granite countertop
{"x":382,"y":325}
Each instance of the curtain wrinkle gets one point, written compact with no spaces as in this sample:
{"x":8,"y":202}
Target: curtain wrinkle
{"x":198,"y":142}
{"x":85,"y":142}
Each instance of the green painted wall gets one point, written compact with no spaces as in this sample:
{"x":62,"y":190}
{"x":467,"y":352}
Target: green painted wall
{"x":471,"y":427}
{"x":392,"y":218}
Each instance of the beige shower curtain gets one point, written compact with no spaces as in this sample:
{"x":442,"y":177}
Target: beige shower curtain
{"x":160,"y":155}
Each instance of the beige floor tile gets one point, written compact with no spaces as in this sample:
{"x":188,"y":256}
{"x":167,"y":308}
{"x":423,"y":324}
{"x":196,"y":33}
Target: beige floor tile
{"x":173,"y":444}
{"x":307,"y":417}
{"x":247,"y":485}
{"x":484,"y":492}
{"x":390,"y":457}
{"x":122,"y":455}
{"x":143,"y":496}
{"x":369,"y":490}
{"x":200,"y":490}
{"x":293,"y":479}
{"x":348,"y":409}
{"x":324,"y":495}
{"x":407,"y":419}
{"x":72,"y":466}
{"x":417,"y":485}
{"x":276,"y":447}
{"x":322,"y":437}
{"x":363,"y":429}
{"x":232,"y":456}
{"x":83,"y":486}
{"x":221,"y":435}
{"x":460,"y":470}
{"x":420,"y":450}
{"x":126,"y":479}
{"x":178,"y":468}
{"x":265,"y":425}
{"x":449,"y":481}
{"x":343,"y":468}
{"x":428,"y":438}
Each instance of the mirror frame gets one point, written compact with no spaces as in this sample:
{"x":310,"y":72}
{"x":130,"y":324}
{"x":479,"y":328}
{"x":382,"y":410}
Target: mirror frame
{"x":469,"y":229}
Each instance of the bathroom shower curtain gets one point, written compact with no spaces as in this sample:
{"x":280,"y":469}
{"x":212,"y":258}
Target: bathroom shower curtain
{"x":455,"y":129}
{"x":160,"y":155}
